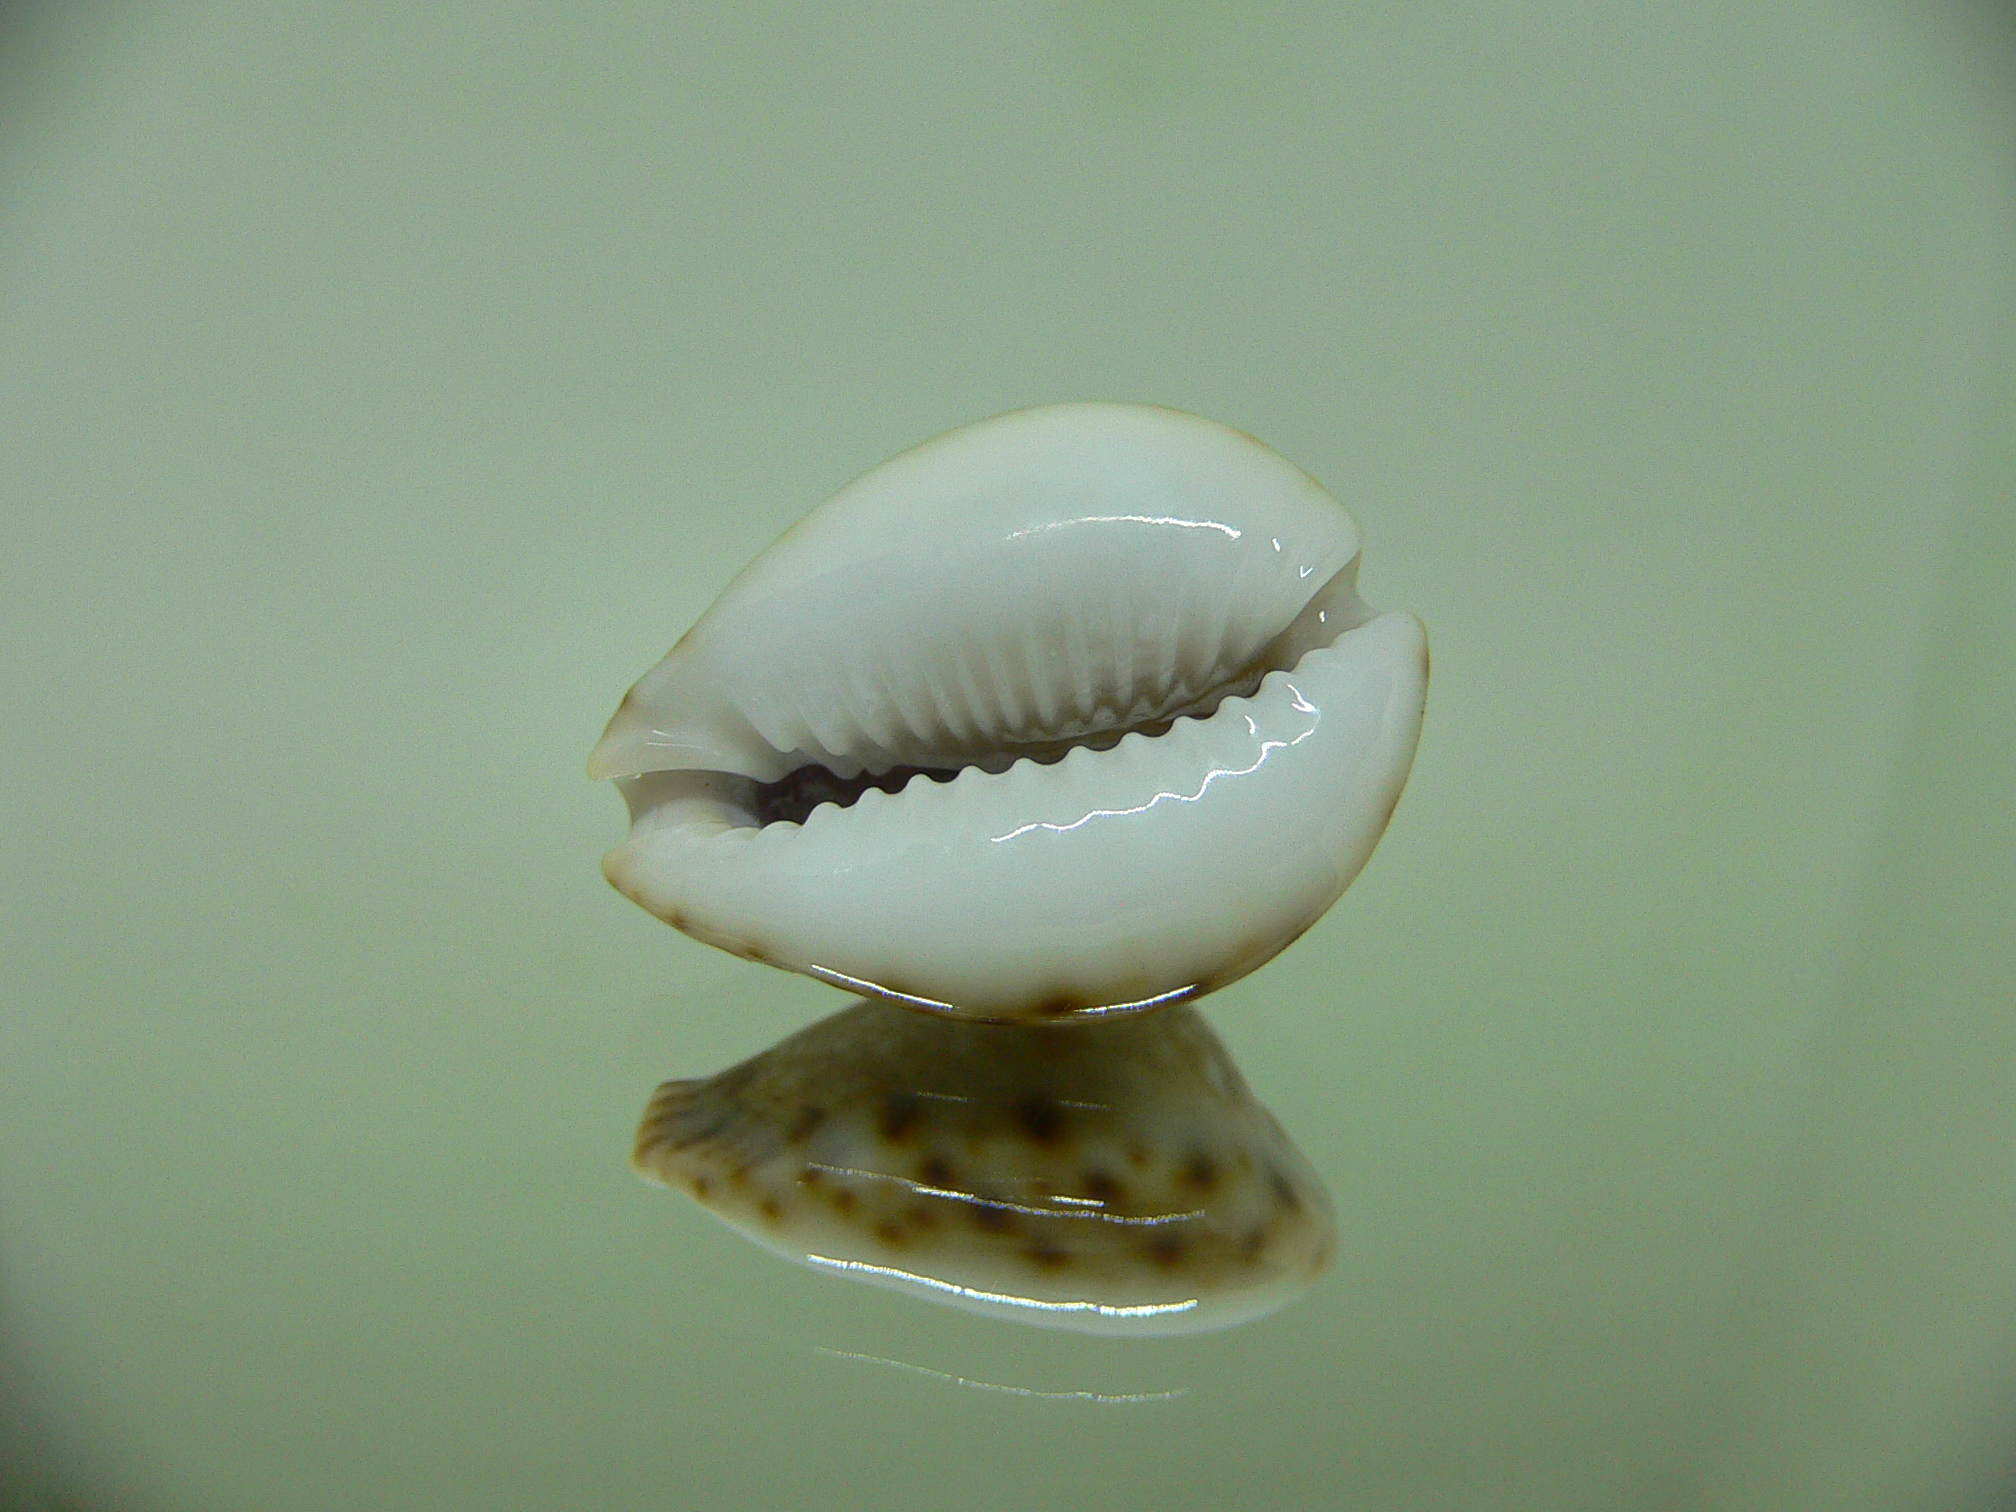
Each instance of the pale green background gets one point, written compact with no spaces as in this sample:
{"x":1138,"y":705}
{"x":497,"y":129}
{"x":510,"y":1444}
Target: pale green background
{"x":382,"y":389}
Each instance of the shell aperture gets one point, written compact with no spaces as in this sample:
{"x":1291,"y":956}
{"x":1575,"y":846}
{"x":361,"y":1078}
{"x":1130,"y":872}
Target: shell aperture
{"x":1072,"y":711}
{"x":1116,"y":1178}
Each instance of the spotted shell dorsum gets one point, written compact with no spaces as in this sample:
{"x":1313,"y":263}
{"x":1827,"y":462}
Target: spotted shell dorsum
{"x":1073,"y":710}
{"x":1118,"y":1179}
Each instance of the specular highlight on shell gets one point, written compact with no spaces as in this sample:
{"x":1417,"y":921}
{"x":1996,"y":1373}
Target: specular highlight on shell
{"x":1073,"y":711}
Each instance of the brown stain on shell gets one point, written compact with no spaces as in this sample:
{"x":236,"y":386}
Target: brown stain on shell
{"x":1283,"y":1190}
{"x":990,"y":1219}
{"x":899,"y":1116}
{"x":1040,"y":1118}
{"x":804,"y":1124}
{"x":1166,"y":1250}
{"x":1102,"y":1188}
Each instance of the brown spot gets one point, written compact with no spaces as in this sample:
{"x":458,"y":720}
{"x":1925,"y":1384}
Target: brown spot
{"x":992,"y":1220}
{"x":890,"y":1232}
{"x":1101,"y":1187}
{"x":755,"y":953}
{"x":739,"y":1177}
{"x":707,"y":1122}
{"x":701,"y":1187}
{"x":1252,"y":1244}
{"x":805,"y":1125}
{"x":1283,"y":1192}
{"x":676,"y":919}
{"x":936,"y":1171}
{"x":844,"y":1203}
{"x":899,"y":1116}
{"x":770,"y":1208}
{"x":1040,"y":1118}
{"x":1165,"y":1249}
{"x":921,"y":1216}
{"x":1046,"y":1257}
{"x":1200,"y":1172}
{"x":811,"y":1176}
{"x":1063,"y":1005}
{"x":734,"y":1079}
{"x":1138,"y":1157}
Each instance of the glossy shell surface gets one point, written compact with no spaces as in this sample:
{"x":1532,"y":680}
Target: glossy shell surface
{"x":1072,"y":711}
{"x":1116,"y":1178}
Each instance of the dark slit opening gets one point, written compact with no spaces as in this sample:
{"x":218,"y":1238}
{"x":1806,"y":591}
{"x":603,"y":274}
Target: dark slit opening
{"x":792,"y":797}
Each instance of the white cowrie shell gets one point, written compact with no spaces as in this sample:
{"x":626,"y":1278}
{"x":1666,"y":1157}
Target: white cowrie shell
{"x":1117,"y":1179}
{"x":1161,"y":731}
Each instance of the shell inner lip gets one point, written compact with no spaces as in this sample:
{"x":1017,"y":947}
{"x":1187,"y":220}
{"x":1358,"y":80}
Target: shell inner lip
{"x":744,"y":802}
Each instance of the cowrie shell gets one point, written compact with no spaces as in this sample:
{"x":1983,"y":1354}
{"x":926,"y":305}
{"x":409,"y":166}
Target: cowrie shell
{"x":1072,"y":711}
{"x":1117,"y":1179}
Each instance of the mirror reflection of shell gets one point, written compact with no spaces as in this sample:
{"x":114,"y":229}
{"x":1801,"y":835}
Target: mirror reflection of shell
{"x":1116,"y":1177}
{"x":1073,"y":711}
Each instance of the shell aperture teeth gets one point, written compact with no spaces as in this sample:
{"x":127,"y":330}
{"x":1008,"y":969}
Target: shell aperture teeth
{"x":1073,"y":709}
{"x":1119,"y":1179}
